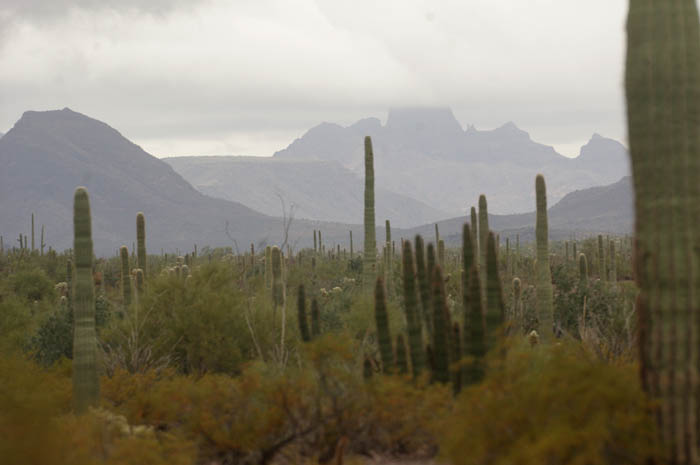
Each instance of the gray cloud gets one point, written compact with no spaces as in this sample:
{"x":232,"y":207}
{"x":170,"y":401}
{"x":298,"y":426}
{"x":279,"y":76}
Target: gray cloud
{"x":247,"y":76}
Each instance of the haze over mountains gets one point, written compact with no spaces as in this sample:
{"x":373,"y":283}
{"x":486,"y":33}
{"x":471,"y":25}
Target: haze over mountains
{"x":47,"y":154}
{"x":425,"y":153}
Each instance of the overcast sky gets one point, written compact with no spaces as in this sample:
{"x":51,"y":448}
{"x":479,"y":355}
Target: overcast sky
{"x":246,"y":77}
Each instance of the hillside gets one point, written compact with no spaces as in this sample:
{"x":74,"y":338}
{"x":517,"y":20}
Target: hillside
{"x":47,"y":154}
{"x":320,"y":190}
{"x":425,"y":154}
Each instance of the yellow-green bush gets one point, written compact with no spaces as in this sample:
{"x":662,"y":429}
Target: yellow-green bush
{"x":550,"y":406}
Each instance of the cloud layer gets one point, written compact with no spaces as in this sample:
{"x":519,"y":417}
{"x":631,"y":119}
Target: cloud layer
{"x":248,"y":76}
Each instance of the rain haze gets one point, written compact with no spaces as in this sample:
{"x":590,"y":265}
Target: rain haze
{"x":248,"y":77}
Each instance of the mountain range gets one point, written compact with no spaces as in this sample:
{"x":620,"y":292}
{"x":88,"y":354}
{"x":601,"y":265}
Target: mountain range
{"x":47,"y":154}
{"x":425,"y":154}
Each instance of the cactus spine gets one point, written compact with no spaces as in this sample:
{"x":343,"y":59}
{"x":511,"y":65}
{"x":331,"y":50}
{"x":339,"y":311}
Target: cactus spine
{"x":86,"y":387}
{"x":415,"y":336}
{"x":545,"y":293}
{"x":141,"y":241}
{"x":301,"y":315}
{"x":441,"y":329}
{"x":126,"y":276}
{"x":382,"y":320}
{"x":663,"y":93}
{"x":370,"y":248}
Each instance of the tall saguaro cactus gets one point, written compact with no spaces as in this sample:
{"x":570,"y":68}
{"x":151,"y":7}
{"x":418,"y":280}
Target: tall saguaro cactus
{"x":277,"y":294}
{"x":495,"y":309}
{"x":126,"y":275}
{"x":382,"y":320}
{"x":86,"y":387}
{"x":483,"y":235}
{"x":423,"y":284}
{"x":441,"y":329}
{"x":545,"y":293}
{"x":369,"y":263}
{"x":663,"y":116}
{"x":141,"y":241}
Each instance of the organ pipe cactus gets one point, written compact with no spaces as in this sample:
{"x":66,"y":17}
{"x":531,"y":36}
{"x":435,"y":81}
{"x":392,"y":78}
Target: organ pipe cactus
{"x":382,"y":319}
{"x":86,"y":387}
{"x":141,"y":241}
{"x":301,"y":315}
{"x":126,"y":275}
{"x":410,"y":302}
{"x":495,"y":309}
{"x":483,"y":235}
{"x":277,"y":287}
{"x":369,"y":264}
{"x":441,"y":329}
{"x":663,"y":114}
{"x":423,"y":284}
{"x":544,"y":291}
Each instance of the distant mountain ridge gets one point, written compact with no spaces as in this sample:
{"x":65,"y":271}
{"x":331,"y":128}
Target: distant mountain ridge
{"x":47,"y":154}
{"x":319,"y":190}
{"x":425,"y":154}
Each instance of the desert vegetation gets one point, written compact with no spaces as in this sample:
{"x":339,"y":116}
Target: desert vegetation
{"x":498,"y":351}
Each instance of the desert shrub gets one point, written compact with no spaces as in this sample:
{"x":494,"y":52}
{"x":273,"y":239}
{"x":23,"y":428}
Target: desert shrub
{"x":552,"y":405}
{"x":15,"y":324}
{"x":32,"y":285}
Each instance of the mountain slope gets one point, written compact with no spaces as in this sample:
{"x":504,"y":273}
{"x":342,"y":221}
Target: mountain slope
{"x":604,"y":209}
{"x":320,"y":190}
{"x":425,"y":154}
{"x":47,"y":154}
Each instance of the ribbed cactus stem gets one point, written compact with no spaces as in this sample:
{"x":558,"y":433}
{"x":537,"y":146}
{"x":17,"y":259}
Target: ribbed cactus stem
{"x":441,"y":252}
{"x":544,"y":291}
{"x":663,"y":115}
{"x":387,"y":229}
{"x":401,"y":358}
{"x":423,"y":285}
{"x":475,"y":331}
{"x":277,"y":294}
{"x":441,"y":328}
{"x":141,"y":241}
{"x":495,"y":310}
{"x":315,"y":318}
{"x":352,"y":250}
{"x":517,"y":309}
{"x":382,"y":319}
{"x":475,"y":235}
{"x":315,"y":242}
{"x":126,"y":275}
{"x":582,"y":270}
{"x":268,"y":267}
{"x":612,"y":261}
{"x":139,"y":282}
{"x":86,"y":387}
{"x":602,"y":274}
{"x":369,"y":264}
{"x":32,"y":232}
{"x":301,"y":315}
{"x":483,"y":235}
{"x":413,"y":320}
{"x":437,"y":233}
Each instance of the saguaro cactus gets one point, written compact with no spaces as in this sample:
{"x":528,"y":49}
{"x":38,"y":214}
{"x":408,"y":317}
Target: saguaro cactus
{"x":86,"y":387}
{"x":441,"y":329}
{"x":545,"y":293}
{"x":301,"y":315}
{"x":663,"y":115}
{"x":495,"y":309}
{"x":410,"y":302}
{"x":352,"y":252}
{"x":382,"y":320}
{"x":277,"y":294}
{"x":369,"y":264}
{"x":582,"y":270}
{"x":602,"y":274}
{"x":483,"y":234}
{"x":268,"y":266}
{"x":475,"y":236}
{"x":423,"y":284}
{"x":517,"y":309}
{"x":126,"y":276}
{"x":141,"y":241}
